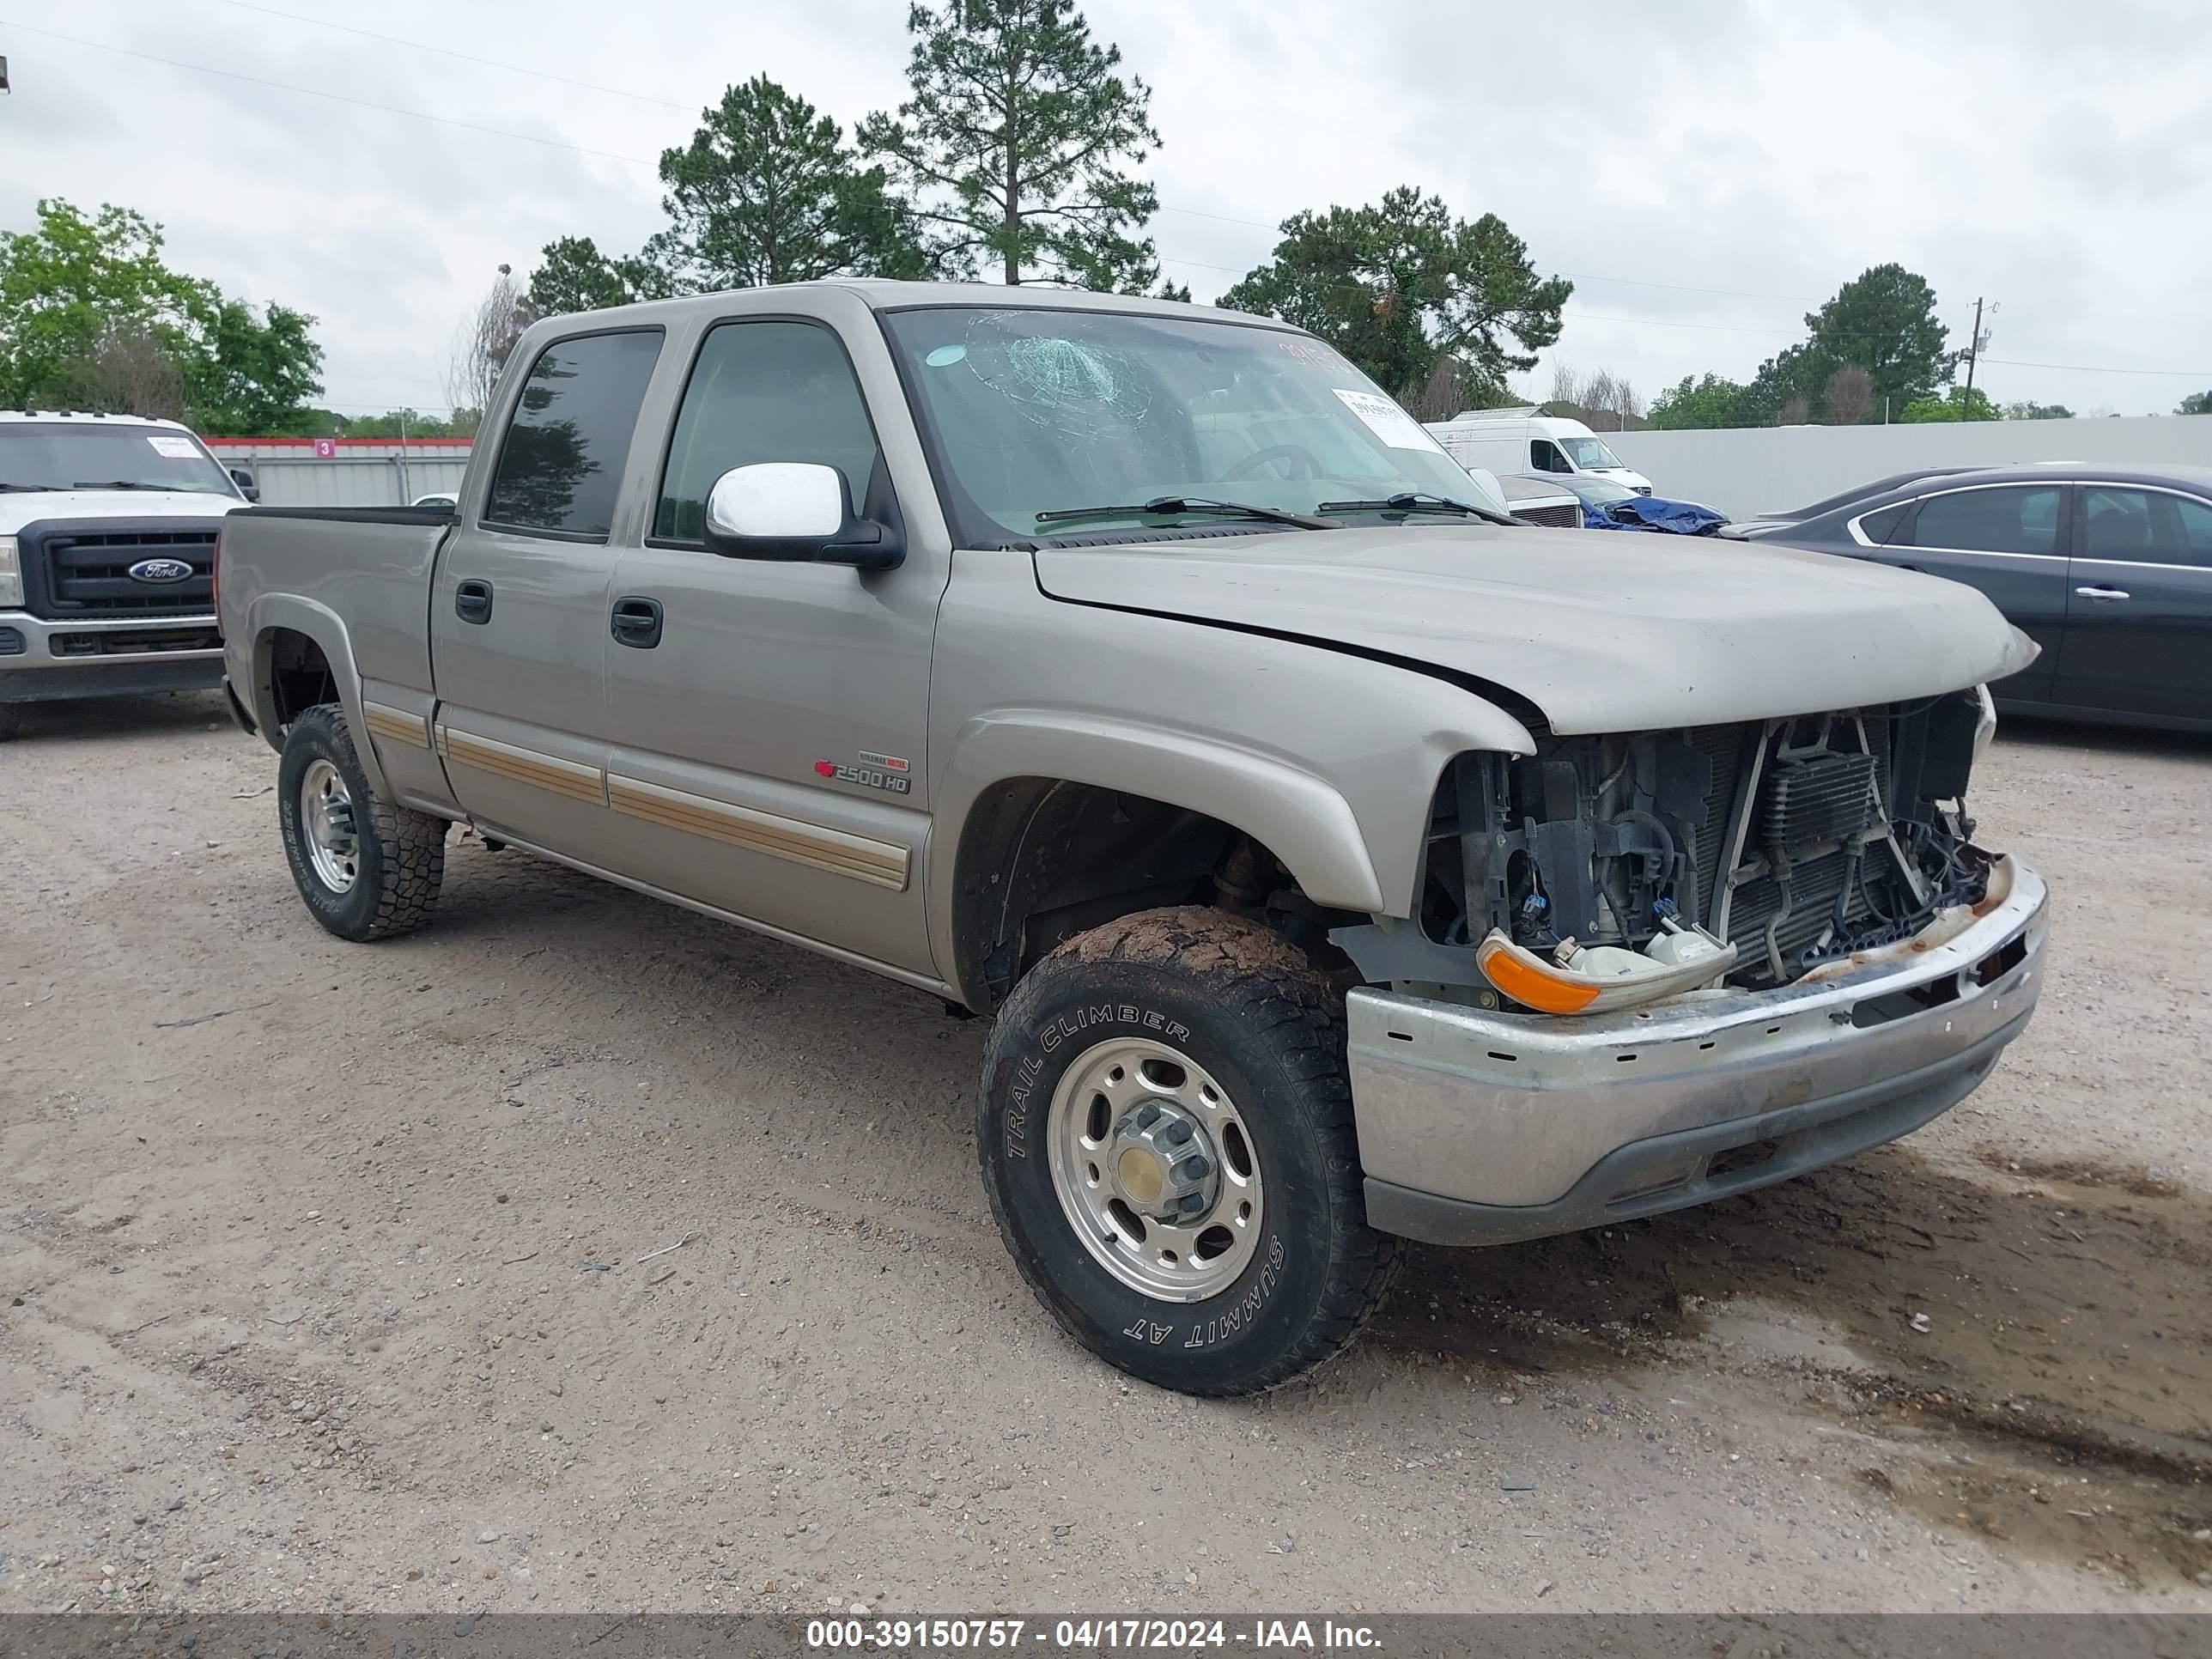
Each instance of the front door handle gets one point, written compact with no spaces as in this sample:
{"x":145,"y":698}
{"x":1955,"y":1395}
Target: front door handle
{"x":472,"y":602}
{"x":2102,"y":595}
{"x":636,"y":621}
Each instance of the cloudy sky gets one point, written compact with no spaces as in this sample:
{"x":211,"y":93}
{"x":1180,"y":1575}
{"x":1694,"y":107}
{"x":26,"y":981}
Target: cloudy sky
{"x":1706,"y":171}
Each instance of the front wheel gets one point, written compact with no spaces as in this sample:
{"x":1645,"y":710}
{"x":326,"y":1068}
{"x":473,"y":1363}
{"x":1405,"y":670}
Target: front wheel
{"x":366,"y":869}
{"x":1166,"y":1134}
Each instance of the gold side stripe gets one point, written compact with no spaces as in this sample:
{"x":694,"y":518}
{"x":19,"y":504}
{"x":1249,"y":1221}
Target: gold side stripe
{"x":881,"y":864}
{"x":396,"y":725}
{"x":527,"y":766}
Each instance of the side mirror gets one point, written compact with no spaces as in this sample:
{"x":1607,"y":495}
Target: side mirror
{"x":796,"y":511}
{"x":244,"y":480}
{"x":1493,"y":492}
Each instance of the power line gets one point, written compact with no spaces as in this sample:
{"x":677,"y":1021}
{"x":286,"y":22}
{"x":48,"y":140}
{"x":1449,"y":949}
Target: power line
{"x":462,"y":57}
{"x":639,"y":161}
{"x":669,"y":103}
{"x":334,"y":97}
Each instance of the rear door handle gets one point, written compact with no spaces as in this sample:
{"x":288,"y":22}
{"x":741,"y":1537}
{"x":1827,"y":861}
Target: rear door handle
{"x":636,"y":621}
{"x":472,"y":602}
{"x":2102,"y":595}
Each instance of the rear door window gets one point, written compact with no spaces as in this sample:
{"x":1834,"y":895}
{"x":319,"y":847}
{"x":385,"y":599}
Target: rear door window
{"x":2006,"y":521}
{"x":2144,"y":526}
{"x":2194,"y":519}
{"x":561,"y":459}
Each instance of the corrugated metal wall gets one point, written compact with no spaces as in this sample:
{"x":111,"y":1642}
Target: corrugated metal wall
{"x":1748,"y":470}
{"x":359,"y":473}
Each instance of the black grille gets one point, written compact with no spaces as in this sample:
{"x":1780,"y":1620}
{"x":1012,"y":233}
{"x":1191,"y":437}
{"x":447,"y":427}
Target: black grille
{"x":135,"y":641}
{"x":82,"y":571}
{"x":1554,"y":517}
{"x":11,"y":641}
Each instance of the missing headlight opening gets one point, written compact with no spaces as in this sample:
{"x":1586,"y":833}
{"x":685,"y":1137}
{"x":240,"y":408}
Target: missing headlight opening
{"x":1652,"y":862}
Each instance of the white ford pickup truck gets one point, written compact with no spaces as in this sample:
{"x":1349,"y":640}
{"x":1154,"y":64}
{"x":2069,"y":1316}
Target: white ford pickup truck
{"x":1338,"y":861}
{"x":107,"y":527}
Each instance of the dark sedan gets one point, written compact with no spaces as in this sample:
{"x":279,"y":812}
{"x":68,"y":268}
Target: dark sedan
{"x":2108,"y":569}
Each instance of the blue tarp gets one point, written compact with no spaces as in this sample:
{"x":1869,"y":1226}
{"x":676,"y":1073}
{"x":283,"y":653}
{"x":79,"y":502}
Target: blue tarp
{"x":1651,"y":513}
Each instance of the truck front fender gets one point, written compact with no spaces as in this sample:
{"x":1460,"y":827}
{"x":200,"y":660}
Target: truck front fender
{"x":1301,"y":819}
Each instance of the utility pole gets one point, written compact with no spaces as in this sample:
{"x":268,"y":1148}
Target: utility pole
{"x":1977,"y":344}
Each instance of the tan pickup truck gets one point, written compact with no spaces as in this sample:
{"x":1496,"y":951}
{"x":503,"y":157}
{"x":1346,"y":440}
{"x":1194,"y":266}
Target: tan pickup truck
{"x":1339,"y":862}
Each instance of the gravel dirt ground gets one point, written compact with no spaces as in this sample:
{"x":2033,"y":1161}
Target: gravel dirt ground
{"x":580,"y":1253}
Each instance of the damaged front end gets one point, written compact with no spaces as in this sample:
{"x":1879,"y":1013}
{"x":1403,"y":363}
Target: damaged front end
{"x":1773,"y":943}
{"x":1612,"y":871}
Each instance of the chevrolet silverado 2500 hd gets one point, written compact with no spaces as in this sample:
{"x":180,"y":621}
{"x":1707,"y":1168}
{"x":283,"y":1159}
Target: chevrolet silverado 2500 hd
{"x":108,"y":527}
{"x":1339,"y":865}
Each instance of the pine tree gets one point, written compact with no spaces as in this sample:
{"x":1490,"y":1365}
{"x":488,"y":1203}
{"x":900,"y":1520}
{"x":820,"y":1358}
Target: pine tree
{"x":1016,"y":140}
{"x":768,"y":192}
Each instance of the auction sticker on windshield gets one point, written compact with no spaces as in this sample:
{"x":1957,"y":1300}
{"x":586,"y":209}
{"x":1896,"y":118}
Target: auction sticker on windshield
{"x":1386,"y":420}
{"x":173,"y":449}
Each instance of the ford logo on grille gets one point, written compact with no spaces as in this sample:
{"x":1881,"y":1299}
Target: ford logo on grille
{"x":160,"y":570}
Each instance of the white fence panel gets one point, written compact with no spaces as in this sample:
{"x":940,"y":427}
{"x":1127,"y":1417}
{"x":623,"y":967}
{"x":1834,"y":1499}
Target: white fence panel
{"x":1742,"y":470}
{"x":291,"y":474}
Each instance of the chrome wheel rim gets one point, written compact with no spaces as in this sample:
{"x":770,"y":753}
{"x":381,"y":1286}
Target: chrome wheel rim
{"x":1155,"y":1170}
{"x":327,"y":816}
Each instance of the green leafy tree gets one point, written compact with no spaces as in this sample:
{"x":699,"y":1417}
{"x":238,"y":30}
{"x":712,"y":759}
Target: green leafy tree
{"x":88,"y":304}
{"x":258,"y":372}
{"x":1711,"y":401}
{"x":768,"y":190}
{"x":1958,"y":404}
{"x":2035,"y":411}
{"x":1882,"y":321}
{"x":1400,"y":285}
{"x":573,"y":275}
{"x":75,"y":280}
{"x":1017,"y":139}
{"x":461,"y":423}
{"x":2197,"y":403}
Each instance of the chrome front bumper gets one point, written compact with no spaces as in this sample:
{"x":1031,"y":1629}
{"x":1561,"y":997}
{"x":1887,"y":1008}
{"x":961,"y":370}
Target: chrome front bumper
{"x":1480,"y":1128}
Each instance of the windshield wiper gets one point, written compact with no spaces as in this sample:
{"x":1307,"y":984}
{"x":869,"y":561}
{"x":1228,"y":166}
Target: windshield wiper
{"x":34,"y":488}
{"x":1178,"y":505}
{"x":1414,"y":501}
{"x":115,"y":483}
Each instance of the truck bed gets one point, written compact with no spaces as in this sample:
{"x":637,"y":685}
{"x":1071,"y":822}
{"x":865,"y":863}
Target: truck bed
{"x":370,"y":565}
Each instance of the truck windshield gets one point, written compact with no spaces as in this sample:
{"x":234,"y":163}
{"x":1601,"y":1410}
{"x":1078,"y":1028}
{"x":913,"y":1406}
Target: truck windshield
{"x":1589,"y":453}
{"x":1040,"y":411}
{"x":80,"y":455}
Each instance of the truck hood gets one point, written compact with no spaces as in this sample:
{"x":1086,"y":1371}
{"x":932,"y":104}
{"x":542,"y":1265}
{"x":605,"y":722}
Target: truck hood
{"x":65,"y":505}
{"x":1602,"y":633}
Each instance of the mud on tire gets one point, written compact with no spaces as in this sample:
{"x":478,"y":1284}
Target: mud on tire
{"x":399,"y":854}
{"x":1251,"y":1015}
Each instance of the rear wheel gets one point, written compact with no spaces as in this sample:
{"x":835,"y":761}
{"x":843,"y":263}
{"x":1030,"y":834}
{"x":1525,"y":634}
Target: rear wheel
{"x":1166,"y":1135}
{"x":366,"y":869}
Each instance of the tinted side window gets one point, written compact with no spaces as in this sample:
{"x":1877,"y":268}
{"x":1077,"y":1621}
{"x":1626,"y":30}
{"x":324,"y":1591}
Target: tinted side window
{"x":2194,"y":519}
{"x":763,"y":392}
{"x":1877,"y":527}
{"x":1544,"y":456}
{"x":2118,"y":524}
{"x":1991,"y":520}
{"x":561,"y":462}
{"x":2145,"y":525}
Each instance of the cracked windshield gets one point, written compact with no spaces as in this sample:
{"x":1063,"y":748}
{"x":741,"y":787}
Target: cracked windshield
{"x":1054,"y":412}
